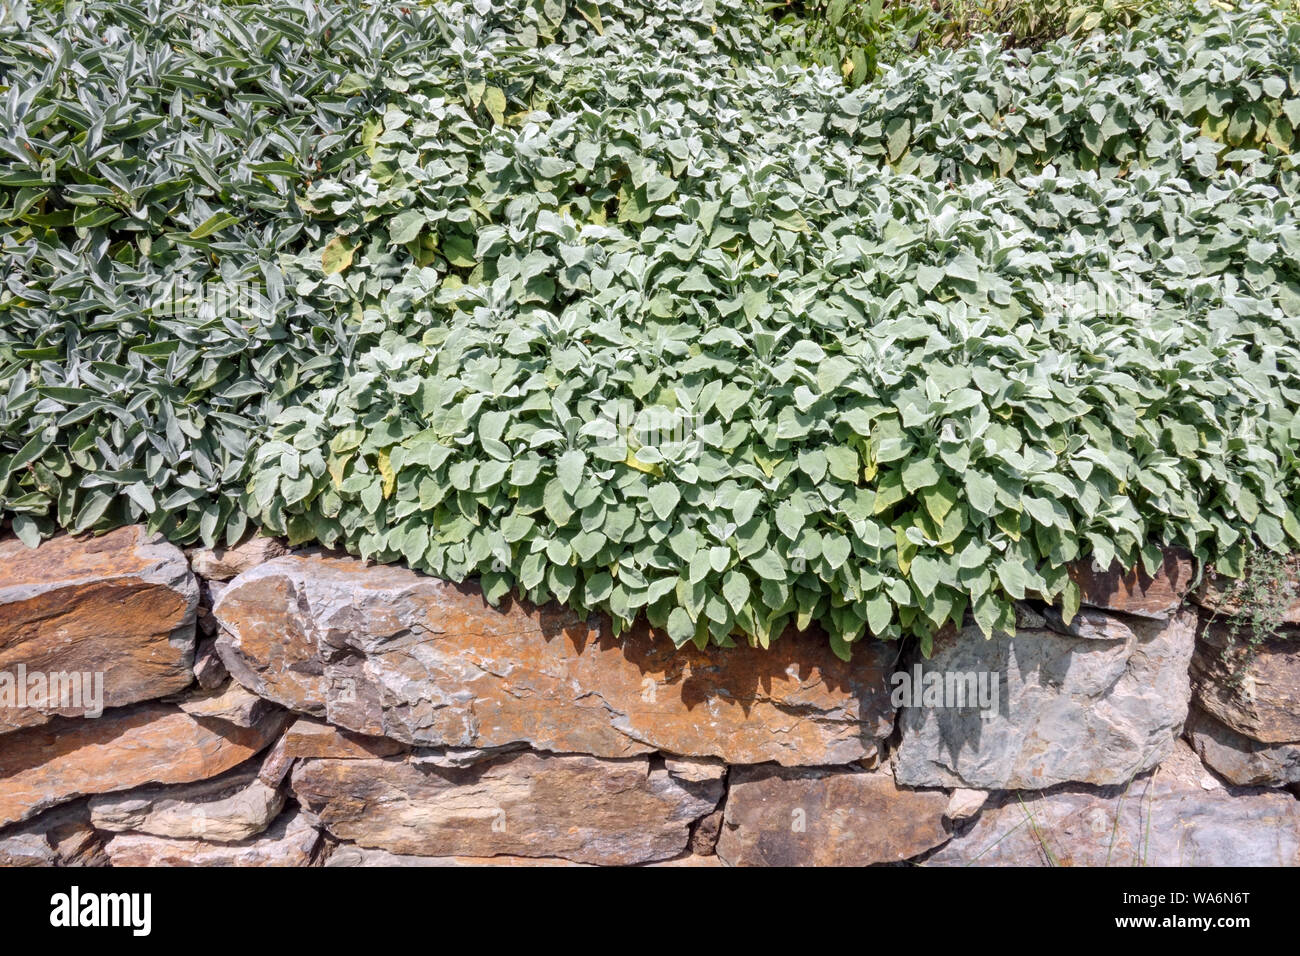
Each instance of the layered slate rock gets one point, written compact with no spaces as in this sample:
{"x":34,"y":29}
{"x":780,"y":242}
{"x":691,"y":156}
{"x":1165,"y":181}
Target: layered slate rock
{"x":276,"y":765}
{"x":307,"y":737}
{"x":234,"y":806}
{"x":689,"y":860}
{"x":231,"y":702}
{"x":348,"y":855}
{"x":1239,"y":759}
{"x":1256,"y":694}
{"x":26,"y":849}
{"x":1091,"y":624}
{"x":145,"y":744}
{"x":1094,"y":709}
{"x":964,"y":804}
{"x":580,"y":808}
{"x":785,"y":816}
{"x":1135,"y":591}
{"x":117,"y":612}
{"x":290,"y":841}
{"x":386,"y":652}
{"x":1176,"y":816}
{"x":222,"y":564}
{"x":63,"y":836}
{"x":209,"y":671}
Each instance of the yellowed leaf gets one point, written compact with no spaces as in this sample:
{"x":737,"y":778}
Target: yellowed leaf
{"x":337,"y":255}
{"x":337,"y":464}
{"x":386,"y":472}
{"x":632,"y":462}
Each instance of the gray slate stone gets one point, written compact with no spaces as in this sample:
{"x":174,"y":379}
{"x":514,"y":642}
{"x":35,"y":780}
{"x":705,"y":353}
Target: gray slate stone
{"x":1239,"y":759}
{"x":226,"y":809}
{"x":1177,"y":816}
{"x":1081,"y":709}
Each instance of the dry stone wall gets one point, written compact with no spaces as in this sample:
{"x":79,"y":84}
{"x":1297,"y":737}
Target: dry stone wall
{"x":257,"y":706}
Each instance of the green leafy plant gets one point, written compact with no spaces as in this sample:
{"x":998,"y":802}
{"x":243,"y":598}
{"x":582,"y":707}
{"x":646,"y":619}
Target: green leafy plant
{"x":861,"y":38}
{"x":591,"y":302}
{"x":1032,"y":23}
{"x":1107,"y":103}
{"x":855,"y":37}
{"x":153,"y":152}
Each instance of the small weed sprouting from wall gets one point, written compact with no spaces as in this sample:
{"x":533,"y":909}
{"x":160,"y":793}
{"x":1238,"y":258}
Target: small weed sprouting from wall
{"x":1256,"y":604}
